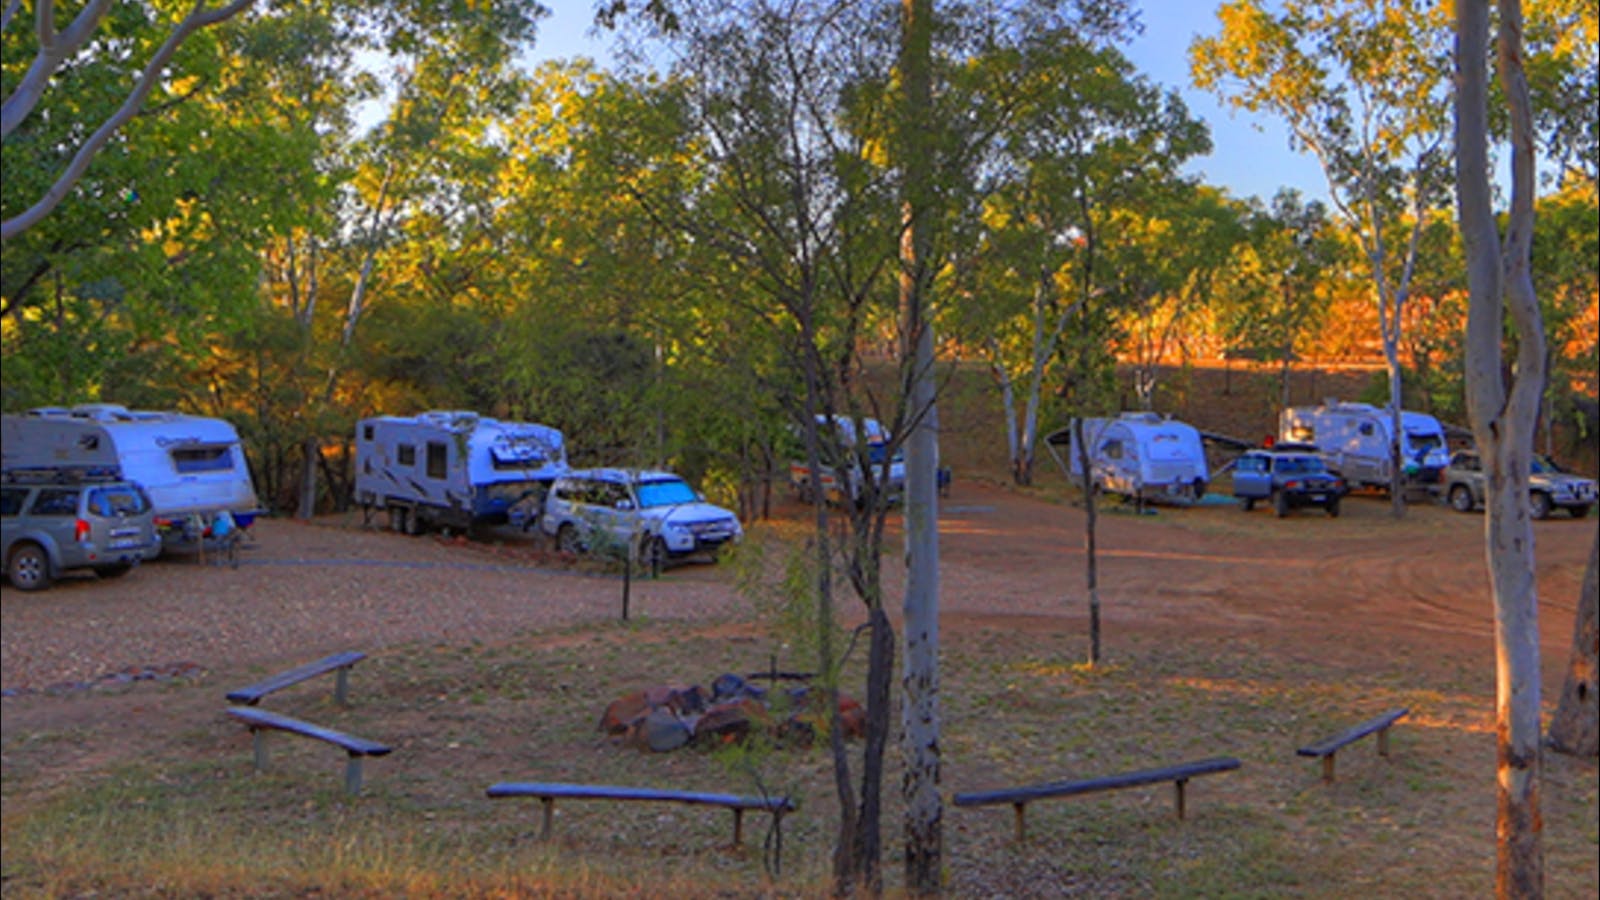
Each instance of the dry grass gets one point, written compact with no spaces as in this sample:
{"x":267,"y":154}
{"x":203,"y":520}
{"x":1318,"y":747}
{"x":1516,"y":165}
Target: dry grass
{"x":181,"y":814}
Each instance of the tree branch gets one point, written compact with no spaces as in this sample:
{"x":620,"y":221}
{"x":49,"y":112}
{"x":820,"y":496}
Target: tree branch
{"x":199,"y":17}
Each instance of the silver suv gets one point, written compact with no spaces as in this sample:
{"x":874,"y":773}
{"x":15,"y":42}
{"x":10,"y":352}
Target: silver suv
{"x":53,"y":522}
{"x":1548,"y":487}
{"x":657,"y":512}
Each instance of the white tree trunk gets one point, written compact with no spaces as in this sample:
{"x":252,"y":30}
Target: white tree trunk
{"x":924,"y":809}
{"x":1503,"y":422}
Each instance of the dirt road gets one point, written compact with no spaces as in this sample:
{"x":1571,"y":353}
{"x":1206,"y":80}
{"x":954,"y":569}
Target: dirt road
{"x":1360,"y":586}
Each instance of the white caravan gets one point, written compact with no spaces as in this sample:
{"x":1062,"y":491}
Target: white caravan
{"x":844,"y":482}
{"x":453,"y":469}
{"x":1355,"y":439}
{"x":191,"y":466}
{"x":1141,"y":455}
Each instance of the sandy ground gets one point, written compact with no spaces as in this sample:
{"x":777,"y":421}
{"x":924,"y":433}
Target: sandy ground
{"x":1360,"y":587}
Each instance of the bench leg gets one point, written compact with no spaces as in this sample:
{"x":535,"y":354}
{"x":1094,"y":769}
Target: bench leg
{"x":1383,"y":742}
{"x":1327,"y":769}
{"x":738,"y":826}
{"x":1178,"y":799}
{"x":259,"y":737}
{"x":352,"y":775}
{"x":1021,"y":810}
{"x":549,"y":806}
{"x":341,"y":687}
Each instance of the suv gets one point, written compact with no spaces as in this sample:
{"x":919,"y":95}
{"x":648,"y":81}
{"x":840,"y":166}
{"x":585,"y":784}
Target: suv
{"x":1289,"y":476}
{"x":655,"y":511}
{"x":1548,"y":487}
{"x":53,"y":522}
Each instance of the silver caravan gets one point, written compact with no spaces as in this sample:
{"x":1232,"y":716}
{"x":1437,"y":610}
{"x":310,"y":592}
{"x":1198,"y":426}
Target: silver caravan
{"x":1141,"y":455}
{"x":451,"y":469}
{"x":1355,"y":439}
{"x":191,"y":466}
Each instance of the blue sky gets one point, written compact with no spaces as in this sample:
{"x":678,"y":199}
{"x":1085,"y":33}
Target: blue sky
{"x":1250,"y":154}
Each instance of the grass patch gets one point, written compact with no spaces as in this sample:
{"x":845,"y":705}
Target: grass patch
{"x":179,"y":812}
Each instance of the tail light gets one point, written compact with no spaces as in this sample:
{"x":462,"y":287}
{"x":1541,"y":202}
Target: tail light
{"x":80,"y":531}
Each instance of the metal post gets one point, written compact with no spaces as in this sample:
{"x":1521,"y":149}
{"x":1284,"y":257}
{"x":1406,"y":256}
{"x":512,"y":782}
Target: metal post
{"x":738,"y":826}
{"x":549,"y":804}
{"x":1383,"y":742}
{"x":1327,"y":768}
{"x":1021,"y":811}
{"x":341,"y":688}
{"x":1178,"y":784}
{"x":261,"y":748}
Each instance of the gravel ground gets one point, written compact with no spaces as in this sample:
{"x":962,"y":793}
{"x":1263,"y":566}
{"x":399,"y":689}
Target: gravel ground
{"x":306,"y":590}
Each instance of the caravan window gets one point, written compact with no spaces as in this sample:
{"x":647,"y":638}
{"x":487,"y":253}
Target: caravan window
{"x":438,"y":460}
{"x":202,"y":459}
{"x":366,"y":432}
{"x":405,"y":455}
{"x":1112,"y":449}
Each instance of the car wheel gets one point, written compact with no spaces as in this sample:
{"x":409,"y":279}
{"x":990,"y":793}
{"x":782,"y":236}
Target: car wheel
{"x":1280,"y":503}
{"x":1461,"y":499}
{"x":1333,"y":507}
{"x":1579,"y":512}
{"x":113,"y":571}
{"x":567,"y":539}
{"x":1541,"y":505}
{"x":29,"y":567}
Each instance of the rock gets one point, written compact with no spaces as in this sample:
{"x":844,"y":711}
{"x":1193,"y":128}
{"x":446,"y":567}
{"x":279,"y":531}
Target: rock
{"x":662,"y":731}
{"x":731,"y":719}
{"x":624,"y":713}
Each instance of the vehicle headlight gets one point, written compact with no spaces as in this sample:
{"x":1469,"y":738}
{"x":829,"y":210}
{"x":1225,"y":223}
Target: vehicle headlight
{"x":679,"y":527}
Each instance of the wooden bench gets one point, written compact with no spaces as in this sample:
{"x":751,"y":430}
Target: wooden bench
{"x":260,"y":720}
{"x":1020,"y":797}
{"x":549,"y":793}
{"x":1327,"y":748}
{"x":340,"y":662}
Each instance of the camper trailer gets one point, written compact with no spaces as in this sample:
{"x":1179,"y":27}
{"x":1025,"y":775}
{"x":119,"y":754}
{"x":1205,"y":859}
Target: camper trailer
{"x":447,"y":469}
{"x":843,"y":482}
{"x":1140,"y":455}
{"x":1355,"y":439}
{"x":192,"y":467}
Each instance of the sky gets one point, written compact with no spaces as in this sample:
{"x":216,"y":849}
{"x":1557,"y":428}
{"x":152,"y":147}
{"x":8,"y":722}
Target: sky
{"x":1250,"y":154}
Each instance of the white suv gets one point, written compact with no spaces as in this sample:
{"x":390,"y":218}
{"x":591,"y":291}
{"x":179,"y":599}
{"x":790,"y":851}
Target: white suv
{"x":658,"y":512}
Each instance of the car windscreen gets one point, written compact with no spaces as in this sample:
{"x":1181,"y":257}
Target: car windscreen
{"x":665,"y":492}
{"x":1299,"y":465}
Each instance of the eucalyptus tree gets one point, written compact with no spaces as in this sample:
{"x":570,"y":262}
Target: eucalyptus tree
{"x":1165,"y":271}
{"x":83,"y":41}
{"x":1364,"y":87}
{"x":1273,"y":296}
{"x":774,"y":183}
{"x":122,"y":291}
{"x":409,"y":191}
{"x":1085,"y":142}
{"x":827,"y":144}
{"x":1504,"y":309}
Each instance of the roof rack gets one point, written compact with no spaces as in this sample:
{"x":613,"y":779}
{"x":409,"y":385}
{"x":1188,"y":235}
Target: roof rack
{"x":60,"y":474}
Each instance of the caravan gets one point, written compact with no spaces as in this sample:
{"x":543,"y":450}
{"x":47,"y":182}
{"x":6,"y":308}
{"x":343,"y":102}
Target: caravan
{"x":1355,"y":440}
{"x":1141,"y":455}
{"x":454,"y":469}
{"x":844,"y":482}
{"x":190,"y":466}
